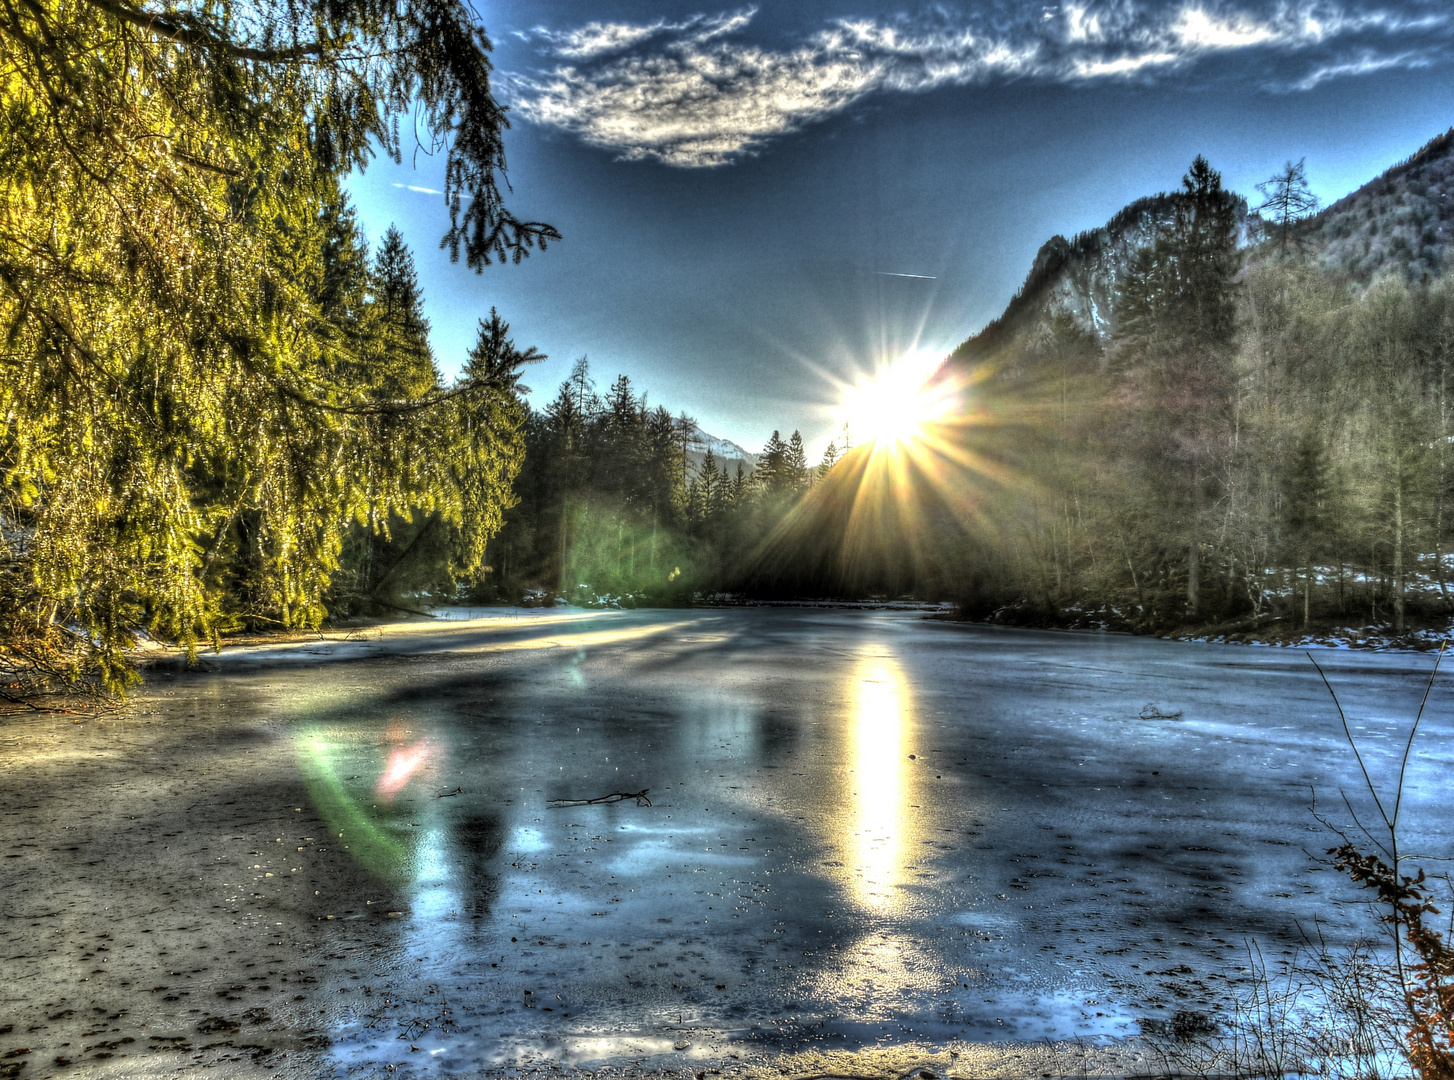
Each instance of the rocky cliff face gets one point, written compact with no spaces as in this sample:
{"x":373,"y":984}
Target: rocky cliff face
{"x":1081,"y":277}
{"x":1401,"y":223}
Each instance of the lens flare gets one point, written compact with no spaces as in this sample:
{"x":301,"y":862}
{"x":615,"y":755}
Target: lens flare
{"x":403,"y":762}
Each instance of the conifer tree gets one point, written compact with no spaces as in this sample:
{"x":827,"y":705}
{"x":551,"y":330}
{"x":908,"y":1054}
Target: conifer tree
{"x":401,"y":361}
{"x":830,"y":458}
{"x":771,"y":472}
{"x":738,"y":495}
{"x":795,"y":462}
{"x":1177,"y":325}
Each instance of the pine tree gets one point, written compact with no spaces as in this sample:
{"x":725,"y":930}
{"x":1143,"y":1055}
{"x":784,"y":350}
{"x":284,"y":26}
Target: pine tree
{"x":1181,"y":289}
{"x":830,"y":458}
{"x":709,"y":487}
{"x":684,"y":435}
{"x":771,"y":472}
{"x":191,"y":369}
{"x":1177,"y":317}
{"x":738,"y":494}
{"x":583,"y":389}
{"x":795,"y":463}
{"x":494,"y":361}
{"x":402,"y":363}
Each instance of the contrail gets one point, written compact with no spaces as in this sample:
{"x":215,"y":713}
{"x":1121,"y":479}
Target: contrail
{"x":421,"y":190}
{"x":921,"y":277}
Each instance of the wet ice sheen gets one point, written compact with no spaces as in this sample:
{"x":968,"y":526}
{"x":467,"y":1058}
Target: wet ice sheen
{"x":826,"y":860}
{"x":866,"y":830}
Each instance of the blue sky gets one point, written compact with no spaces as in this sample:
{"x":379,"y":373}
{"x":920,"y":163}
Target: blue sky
{"x":756,"y":201}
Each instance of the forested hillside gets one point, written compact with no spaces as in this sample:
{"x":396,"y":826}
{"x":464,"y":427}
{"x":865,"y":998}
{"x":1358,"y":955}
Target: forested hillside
{"x":1262,"y":437}
{"x":1403,"y":221}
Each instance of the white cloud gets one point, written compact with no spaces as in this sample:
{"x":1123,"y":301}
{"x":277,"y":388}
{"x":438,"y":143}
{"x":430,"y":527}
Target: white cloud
{"x":1122,"y":66}
{"x":597,"y":39}
{"x":1081,"y":24}
{"x":693,"y":93}
{"x":1196,"y":28}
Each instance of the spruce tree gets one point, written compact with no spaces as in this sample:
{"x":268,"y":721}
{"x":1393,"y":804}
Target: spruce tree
{"x":771,"y":472}
{"x":830,"y":458}
{"x":1177,"y":325}
{"x":402,"y":361}
{"x":795,"y":462}
{"x":198,"y":380}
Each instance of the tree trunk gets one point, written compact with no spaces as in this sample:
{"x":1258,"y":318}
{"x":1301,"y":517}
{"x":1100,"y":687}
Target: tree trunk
{"x":1193,"y":577}
{"x":1307,"y":591}
{"x":564,"y":518}
{"x":1398,"y":549}
{"x":1373,"y":585}
{"x":1443,"y":444}
{"x":1193,"y":549}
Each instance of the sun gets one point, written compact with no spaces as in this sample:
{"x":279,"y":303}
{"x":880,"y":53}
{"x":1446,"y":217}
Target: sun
{"x":894,"y":404}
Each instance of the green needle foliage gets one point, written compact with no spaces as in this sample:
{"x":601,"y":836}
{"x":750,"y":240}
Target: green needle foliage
{"x":202,"y":380}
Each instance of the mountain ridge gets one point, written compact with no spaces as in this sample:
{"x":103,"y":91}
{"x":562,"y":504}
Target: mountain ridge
{"x":1400,"y":221}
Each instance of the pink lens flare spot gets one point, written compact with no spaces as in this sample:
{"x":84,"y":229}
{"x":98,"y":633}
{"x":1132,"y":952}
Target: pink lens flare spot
{"x":403,"y":763}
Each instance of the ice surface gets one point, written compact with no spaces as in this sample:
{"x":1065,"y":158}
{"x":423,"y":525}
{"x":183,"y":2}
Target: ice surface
{"x":866,"y":828}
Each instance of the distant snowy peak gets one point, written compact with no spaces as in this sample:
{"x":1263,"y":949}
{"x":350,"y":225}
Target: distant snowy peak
{"x":725,"y":451}
{"x":701,"y":442}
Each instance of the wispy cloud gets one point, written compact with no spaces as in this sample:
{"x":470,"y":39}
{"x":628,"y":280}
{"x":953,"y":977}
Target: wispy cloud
{"x":1364,"y":65}
{"x":421,"y":190}
{"x":596,"y":39}
{"x":694,"y":93}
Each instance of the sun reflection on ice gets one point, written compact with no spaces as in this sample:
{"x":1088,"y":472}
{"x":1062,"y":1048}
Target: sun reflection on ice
{"x":878,"y":822}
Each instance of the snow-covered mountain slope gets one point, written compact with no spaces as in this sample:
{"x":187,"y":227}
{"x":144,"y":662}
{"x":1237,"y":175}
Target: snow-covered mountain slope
{"x":725,"y":451}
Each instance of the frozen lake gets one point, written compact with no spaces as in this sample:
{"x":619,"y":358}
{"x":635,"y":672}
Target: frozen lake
{"x":866,"y":830}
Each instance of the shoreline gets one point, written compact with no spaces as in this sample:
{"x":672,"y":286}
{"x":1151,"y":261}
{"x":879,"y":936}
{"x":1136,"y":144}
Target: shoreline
{"x":431,"y":631}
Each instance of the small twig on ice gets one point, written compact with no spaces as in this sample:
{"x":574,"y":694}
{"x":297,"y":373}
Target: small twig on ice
{"x":451,"y":794}
{"x":615,"y":796}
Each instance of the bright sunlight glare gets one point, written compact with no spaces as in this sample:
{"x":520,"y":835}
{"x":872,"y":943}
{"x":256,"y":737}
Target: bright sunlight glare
{"x":895,"y":403}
